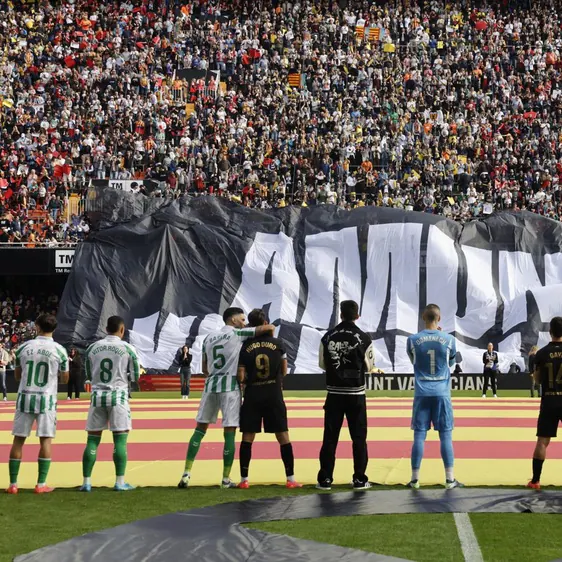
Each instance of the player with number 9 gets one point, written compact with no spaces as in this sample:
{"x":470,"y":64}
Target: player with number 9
{"x":432,"y":353}
{"x":109,"y":363}
{"x":39,"y":363}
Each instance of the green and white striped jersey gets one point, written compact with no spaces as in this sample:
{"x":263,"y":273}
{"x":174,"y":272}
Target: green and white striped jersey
{"x":110,"y":363}
{"x":221,"y":350}
{"x":41,"y":360}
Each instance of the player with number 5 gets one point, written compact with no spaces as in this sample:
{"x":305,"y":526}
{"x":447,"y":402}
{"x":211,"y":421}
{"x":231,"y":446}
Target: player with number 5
{"x":222,"y":392}
{"x":432,"y":353}
{"x":39,"y":363}
{"x":109,"y":364}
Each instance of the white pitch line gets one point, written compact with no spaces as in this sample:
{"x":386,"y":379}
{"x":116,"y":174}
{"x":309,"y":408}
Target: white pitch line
{"x":469,"y":543}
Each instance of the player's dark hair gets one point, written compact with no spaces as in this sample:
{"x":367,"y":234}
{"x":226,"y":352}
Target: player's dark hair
{"x":349,"y":311}
{"x":230,"y":312}
{"x":431,"y":313}
{"x":556,"y":327}
{"x":114,"y":324}
{"x":257,"y":318}
{"x":47,"y":323}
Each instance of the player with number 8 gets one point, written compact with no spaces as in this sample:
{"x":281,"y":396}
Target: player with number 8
{"x":109,"y":363}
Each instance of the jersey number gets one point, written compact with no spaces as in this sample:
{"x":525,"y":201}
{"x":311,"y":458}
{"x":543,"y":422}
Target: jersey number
{"x":37,"y":373}
{"x":262,"y":366}
{"x":551,"y":380}
{"x":106,"y":370}
{"x":431,"y":354}
{"x":218,"y":358}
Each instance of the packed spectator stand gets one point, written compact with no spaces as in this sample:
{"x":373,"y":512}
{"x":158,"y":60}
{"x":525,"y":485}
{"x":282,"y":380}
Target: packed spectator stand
{"x":449,"y":108}
{"x":18,"y":314}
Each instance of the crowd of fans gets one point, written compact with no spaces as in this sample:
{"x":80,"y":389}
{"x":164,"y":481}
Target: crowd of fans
{"x":18,"y":314}
{"x":450,"y":108}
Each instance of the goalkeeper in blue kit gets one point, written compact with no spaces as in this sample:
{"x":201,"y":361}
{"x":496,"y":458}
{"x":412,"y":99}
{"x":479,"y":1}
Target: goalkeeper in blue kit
{"x":432,"y":353}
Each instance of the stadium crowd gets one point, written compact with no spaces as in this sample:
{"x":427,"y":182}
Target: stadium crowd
{"x":18,"y":314}
{"x":453,"y":109}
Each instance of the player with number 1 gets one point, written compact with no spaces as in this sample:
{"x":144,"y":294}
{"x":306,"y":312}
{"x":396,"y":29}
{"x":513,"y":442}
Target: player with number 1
{"x":432,"y":353}
{"x":109,"y":363}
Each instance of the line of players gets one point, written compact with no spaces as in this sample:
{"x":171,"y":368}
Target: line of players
{"x":248,"y":358}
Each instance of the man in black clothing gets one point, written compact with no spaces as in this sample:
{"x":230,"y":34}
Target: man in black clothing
{"x":346,"y":353}
{"x":261,"y":369}
{"x":490,"y":360}
{"x":75,"y":374}
{"x":548,"y":373}
{"x":183,"y":360}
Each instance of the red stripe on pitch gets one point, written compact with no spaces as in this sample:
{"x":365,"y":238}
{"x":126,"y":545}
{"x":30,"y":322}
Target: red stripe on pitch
{"x":146,"y":452}
{"x":370,"y":408}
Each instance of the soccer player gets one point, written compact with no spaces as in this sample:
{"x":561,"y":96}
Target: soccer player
{"x":41,"y":362}
{"x":110,"y":363}
{"x":432,"y":353}
{"x":221,"y":351}
{"x":346,"y":354}
{"x":262,"y":367}
{"x":548,"y":373}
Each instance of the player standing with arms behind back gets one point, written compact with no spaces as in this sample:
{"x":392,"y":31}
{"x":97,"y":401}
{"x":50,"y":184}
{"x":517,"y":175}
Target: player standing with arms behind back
{"x":222,"y":392}
{"x":109,"y":362}
{"x":548,"y":373}
{"x":432,"y":353}
{"x":39,"y":363}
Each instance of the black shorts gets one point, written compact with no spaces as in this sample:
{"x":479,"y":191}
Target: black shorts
{"x":549,"y":417}
{"x":271,"y":410}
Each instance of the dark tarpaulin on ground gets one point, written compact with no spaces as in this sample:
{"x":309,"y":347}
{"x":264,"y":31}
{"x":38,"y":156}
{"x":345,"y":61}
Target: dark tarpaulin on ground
{"x":214,"y":534}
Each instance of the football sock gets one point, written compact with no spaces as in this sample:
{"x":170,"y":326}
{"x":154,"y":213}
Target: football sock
{"x":90,"y":454}
{"x":14,"y":468}
{"x":415,"y":474}
{"x":245,"y":458}
{"x":288,"y":458}
{"x":417,"y":448}
{"x":193,"y":448}
{"x":228,"y":453}
{"x":537,"y":470}
{"x":44,"y":465}
{"x":120,"y":453}
{"x":447,"y":454}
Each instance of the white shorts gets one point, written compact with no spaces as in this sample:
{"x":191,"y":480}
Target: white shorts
{"x":117,"y":418}
{"x":227,"y":402}
{"x":46,"y":424}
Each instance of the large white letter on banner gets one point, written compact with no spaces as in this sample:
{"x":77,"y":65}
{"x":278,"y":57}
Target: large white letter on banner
{"x":283,"y":290}
{"x":517,"y":276}
{"x":442,"y":267}
{"x":402,"y":242}
{"x":481,"y":300}
{"x":322,"y":250}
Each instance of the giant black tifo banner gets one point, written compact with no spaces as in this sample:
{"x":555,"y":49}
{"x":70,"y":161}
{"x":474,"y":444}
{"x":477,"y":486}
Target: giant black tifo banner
{"x":171,"y":274}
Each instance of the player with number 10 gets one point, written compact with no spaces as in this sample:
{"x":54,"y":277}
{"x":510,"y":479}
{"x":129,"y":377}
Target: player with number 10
{"x":109,"y":363}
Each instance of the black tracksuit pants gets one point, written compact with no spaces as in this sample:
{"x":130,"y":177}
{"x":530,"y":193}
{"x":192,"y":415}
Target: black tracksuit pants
{"x":489,"y":380}
{"x":354,"y":408}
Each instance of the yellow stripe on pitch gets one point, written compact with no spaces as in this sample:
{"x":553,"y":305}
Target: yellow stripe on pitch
{"x":215,"y":436}
{"x":472,"y":472}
